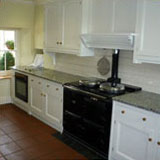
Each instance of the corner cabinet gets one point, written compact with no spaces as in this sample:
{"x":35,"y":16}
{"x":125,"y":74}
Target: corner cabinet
{"x":134,"y":134}
{"x":147,"y":48}
{"x":63,"y":26}
{"x":46,"y":101}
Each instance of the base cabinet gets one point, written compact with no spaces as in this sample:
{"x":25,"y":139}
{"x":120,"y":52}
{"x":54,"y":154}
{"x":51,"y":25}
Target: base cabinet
{"x":46,"y":101}
{"x":37,"y":101}
{"x":53,"y":104}
{"x":133,"y":134}
{"x":148,"y":34}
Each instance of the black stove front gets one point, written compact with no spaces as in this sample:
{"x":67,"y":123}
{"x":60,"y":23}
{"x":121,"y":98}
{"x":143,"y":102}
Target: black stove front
{"x":87,"y":115}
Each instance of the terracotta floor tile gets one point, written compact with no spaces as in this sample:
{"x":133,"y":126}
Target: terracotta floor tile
{"x":21,"y":155}
{"x":18,"y":135}
{"x":5,"y":139}
{"x":30,"y":138}
{"x":27,"y":142}
{"x":48,"y":157}
{"x":10,"y":129}
{"x":9,"y":148}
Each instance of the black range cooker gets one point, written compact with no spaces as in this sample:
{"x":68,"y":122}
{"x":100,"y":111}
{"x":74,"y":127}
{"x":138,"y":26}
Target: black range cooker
{"x":88,"y":109}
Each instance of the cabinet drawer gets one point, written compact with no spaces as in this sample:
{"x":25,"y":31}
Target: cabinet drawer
{"x":57,"y":89}
{"x":137,"y":116}
{"x":36,"y":81}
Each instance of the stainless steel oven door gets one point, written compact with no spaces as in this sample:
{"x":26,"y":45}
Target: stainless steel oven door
{"x":21,"y":86}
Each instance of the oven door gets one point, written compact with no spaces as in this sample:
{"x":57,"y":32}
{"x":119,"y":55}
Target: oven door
{"x":21,"y":87}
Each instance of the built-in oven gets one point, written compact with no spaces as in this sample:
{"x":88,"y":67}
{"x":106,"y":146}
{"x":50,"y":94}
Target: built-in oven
{"x":21,"y":86}
{"x":87,"y":118}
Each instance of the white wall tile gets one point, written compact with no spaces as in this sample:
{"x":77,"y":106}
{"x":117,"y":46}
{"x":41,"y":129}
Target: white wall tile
{"x":146,"y":76}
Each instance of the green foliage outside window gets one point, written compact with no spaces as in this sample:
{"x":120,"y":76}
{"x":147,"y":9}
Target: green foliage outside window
{"x":10,"y":45}
{"x":10,"y":61}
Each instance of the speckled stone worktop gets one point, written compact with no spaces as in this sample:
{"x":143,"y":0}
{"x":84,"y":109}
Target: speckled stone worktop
{"x":52,"y":75}
{"x":142,"y":99}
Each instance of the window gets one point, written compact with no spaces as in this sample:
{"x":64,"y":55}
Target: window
{"x":7,"y":49}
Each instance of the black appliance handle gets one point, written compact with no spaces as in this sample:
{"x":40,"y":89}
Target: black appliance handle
{"x":21,"y":77}
{"x":85,"y":92}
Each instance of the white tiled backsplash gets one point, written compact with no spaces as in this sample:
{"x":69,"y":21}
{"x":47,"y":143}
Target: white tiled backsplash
{"x":146,"y":76}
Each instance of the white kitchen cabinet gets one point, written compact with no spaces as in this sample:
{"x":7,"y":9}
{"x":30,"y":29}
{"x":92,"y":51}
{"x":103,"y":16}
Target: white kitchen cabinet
{"x":63,"y":26}
{"x":148,"y":33}
{"x":53,"y":25}
{"x":36,"y":96}
{"x":46,"y":101}
{"x":53,"y":94}
{"x":113,"y":16}
{"x":133,"y":133}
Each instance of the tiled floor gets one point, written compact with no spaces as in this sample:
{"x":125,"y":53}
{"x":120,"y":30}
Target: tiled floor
{"x":23,"y":137}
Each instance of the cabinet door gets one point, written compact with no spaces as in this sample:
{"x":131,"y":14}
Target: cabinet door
{"x":124,"y":20}
{"x":133,"y":134}
{"x":36,"y":96}
{"x":132,"y":142}
{"x":53,"y":25}
{"x":53,"y":104}
{"x":148,"y":33}
{"x":71,"y":24}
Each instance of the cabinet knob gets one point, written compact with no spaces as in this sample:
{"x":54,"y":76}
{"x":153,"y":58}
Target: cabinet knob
{"x":32,"y":80}
{"x":39,"y":82}
{"x":144,"y":119}
{"x":57,"y":89}
{"x":48,"y":85}
{"x":57,"y":43}
{"x":158,"y":143}
{"x":41,"y":94}
{"x":60,"y":43}
{"x":123,"y":112}
{"x":150,"y":139}
{"x":44,"y":95}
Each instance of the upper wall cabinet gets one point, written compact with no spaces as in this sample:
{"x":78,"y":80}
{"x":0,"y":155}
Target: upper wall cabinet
{"x":112,"y":24}
{"x":113,"y":16}
{"x":63,"y":26}
{"x":147,"y":47}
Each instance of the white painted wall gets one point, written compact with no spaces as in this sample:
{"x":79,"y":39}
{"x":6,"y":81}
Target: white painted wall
{"x":19,"y":16}
{"x":146,"y":76}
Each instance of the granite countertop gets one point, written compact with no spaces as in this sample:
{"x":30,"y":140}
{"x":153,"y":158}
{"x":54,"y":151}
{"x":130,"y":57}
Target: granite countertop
{"x":52,"y":75}
{"x":142,"y":99}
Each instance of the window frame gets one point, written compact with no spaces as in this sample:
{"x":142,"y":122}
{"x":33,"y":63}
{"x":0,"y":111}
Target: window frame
{"x":8,"y":72}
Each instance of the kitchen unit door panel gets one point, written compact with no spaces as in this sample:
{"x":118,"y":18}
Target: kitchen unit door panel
{"x":53,"y":109}
{"x":36,"y":100}
{"x":72,"y":24}
{"x":124,"y":16}
{"x":133,"y":134}
{"x":113,"y":16}
{"x":53,"y":25}
{"x":102,"y":16}
{"x":148,"y":34}
{"x":131,"y":142}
